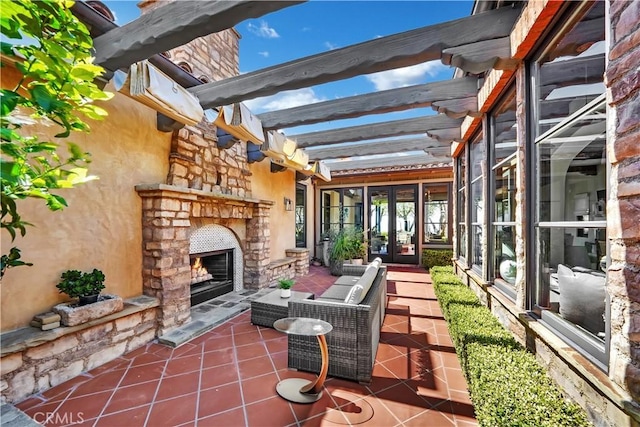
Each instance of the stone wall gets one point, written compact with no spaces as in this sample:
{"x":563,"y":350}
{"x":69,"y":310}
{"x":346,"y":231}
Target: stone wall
{"x":209,"y":58}
{"x":296,"y":264}
{"x":623,"y":207}
{"x":197,"y":162}
{"x":302,"y":260}
{"x":281,"y":269}
{"x":43,"y":360}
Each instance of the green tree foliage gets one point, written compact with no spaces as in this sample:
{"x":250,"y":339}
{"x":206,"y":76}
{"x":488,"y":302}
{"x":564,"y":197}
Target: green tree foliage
{"x":51,"y":50}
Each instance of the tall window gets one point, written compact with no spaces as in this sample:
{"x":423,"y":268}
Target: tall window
{"x":436,"y":213}
{"x":477,"y":168}
{"x":341,"y":207}
{"x":571,"y":194}
{"x":461,"y":205}
{"x":503,"y":170}
{"x":301,"y":216}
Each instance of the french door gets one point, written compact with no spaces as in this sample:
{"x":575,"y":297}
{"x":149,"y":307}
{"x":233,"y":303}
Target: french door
{"x":393,"y":218}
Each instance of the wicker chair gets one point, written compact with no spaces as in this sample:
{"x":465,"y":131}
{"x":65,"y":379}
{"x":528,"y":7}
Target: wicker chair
{"x":353,"y":342}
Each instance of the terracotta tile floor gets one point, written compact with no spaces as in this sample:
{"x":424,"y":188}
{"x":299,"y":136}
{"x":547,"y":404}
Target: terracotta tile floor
{"x":227,"y":377}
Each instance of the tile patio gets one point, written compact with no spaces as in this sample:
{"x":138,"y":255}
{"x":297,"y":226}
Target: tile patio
{"x":227,"y":376}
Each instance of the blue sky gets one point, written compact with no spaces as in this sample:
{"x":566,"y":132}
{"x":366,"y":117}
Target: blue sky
{"x":318,"y":26}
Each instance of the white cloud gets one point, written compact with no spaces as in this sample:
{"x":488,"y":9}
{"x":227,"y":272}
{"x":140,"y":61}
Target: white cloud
{"x":264,"y":53}
{"x":407,"y":76}
{"x":264,"y":30}
{"x":305,"y":29}
{"x":287,"y":99}
{"x":330,"y":45}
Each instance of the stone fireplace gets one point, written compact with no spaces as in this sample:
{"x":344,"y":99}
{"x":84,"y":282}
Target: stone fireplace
{"x":172,"y":220}
{"x":205,"y":206}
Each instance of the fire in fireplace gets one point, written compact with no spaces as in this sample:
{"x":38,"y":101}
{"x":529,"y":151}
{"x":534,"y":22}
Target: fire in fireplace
{"x":211,"y":275}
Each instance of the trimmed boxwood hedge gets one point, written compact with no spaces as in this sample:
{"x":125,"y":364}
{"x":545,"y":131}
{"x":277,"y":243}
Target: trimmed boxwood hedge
{"x":436,"y":257}
{"x":507,"y":385}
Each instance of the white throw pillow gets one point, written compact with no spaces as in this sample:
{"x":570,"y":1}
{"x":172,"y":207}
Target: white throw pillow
{"x":582,"y":298}
{"x":354,"y":295}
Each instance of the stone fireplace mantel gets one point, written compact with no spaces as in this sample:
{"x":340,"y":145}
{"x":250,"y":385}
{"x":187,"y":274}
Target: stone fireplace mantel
{"x":182,"y":193}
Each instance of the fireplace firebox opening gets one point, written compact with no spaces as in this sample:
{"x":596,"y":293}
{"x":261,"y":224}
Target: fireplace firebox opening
{"x":211,"y":275}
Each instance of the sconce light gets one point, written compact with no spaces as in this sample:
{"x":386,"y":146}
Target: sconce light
{"x":288,"y":206}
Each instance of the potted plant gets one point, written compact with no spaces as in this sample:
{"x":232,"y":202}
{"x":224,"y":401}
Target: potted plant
{"x":285,"y":287}
{"x":84,"y":286}
{"x":339,"y":252}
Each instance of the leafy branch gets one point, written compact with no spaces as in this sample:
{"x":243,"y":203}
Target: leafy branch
{"x":51,"y":51}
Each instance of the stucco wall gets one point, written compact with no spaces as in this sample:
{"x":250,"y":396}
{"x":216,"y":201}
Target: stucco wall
{"x":275,"y":187}
{"x":101,"y":228}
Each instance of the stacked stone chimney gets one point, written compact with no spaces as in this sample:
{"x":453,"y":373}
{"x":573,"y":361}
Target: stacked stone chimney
{"x":209,"y":58}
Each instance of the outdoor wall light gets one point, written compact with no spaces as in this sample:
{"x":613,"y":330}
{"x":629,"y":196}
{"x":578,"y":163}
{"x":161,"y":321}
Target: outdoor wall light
{"x":288,"y":206}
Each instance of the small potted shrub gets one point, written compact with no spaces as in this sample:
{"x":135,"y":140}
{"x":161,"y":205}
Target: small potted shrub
{"x":84,"y":286}
{"x":285,"y":287}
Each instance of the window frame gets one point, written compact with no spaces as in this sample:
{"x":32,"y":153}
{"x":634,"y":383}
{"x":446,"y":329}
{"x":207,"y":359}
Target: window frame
{"x":478,"y":138}
{"x":584,"y":342}
{"x":461,"y":191}
{"x":449,"y":220}
{"x":341,"y":223}
{"x":302,"y":243}
{"x":505,"y":287}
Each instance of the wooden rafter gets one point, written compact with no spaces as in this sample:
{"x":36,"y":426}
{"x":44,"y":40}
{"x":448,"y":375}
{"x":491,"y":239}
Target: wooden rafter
{"x":367,"y":148}
{"x":378,"y":130}
{"x":173,"y":25}
{"x":482,"y":56}
{"x":413,"y":159}
{"x":375,"y":103}
{"x":384,"y":53}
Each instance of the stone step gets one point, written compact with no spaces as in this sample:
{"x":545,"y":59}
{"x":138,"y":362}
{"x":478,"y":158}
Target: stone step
{"x":202,"y":321}
{"x":14,"y":417}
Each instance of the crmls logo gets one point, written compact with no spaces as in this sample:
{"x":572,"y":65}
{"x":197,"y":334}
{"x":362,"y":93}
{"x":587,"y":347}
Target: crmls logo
{"x":59,"y":418}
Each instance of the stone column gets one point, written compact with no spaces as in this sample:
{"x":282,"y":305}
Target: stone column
{"x":165,"y":246}
{"x":622,"y":79}
{"x":521,"y":178}
{"x":302,"y":260}
{"x":257,"y":253}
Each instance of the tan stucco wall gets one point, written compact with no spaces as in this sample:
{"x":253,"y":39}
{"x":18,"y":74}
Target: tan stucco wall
{"x":101,"y":228}
{"x":275,"y":187}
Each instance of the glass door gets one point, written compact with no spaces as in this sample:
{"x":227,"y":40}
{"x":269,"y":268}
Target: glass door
{"x":393,"y":219}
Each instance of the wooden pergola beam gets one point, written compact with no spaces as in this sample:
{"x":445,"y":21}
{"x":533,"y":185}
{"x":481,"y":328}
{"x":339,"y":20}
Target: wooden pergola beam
{"x":385,"y":101}
{"x":377,"y":130}
{"x":421,"y":159}
{"x":381,"y":54}
{"x":480,"y":57}
{"x":386,"y":146}
{"x":175,"y":24}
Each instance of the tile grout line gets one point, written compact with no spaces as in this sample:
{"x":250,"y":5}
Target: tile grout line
{"x":114,"y":390}
{"x":237,"y":365}
{"x":197,"y":411}
{"x":273,"y":365}
{"x":153,"y":400}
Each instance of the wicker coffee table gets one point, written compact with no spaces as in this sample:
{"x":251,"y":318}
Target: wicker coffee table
{"x":271,"y":307}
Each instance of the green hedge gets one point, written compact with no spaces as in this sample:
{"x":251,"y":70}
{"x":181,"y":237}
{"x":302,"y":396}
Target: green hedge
{"x":506,"y":384}
{"x":436,"y":257}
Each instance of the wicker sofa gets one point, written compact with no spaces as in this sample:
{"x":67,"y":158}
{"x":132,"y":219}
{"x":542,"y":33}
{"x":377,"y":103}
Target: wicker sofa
{"x":353,"y":342}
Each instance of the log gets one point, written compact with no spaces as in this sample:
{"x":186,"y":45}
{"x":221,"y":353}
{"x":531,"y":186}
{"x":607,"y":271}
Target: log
{"x":381,"y":54}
